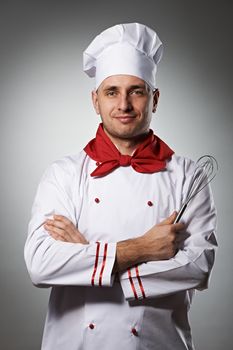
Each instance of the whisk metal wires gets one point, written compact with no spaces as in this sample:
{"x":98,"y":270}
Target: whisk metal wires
{"x":205,"y":171}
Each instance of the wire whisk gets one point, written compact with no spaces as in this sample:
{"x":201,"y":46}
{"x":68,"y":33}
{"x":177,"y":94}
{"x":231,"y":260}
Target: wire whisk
{"x":205,"y":171}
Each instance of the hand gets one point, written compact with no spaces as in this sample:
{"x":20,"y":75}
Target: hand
{"x":62,"y":229}
{"x":161,"y":241}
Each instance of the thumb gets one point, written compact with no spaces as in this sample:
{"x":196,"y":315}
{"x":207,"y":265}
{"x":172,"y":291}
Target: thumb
{"x":170,"y":220}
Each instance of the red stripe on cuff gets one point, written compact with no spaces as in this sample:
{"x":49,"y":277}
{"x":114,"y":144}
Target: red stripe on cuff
{"x":103,"y":264}
{"x":140,"y":282}
{"x":132,"y":284}
{"x":96,"y":263}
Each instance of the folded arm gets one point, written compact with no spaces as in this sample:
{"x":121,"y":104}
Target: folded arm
{"x":64,"y":262}
{"x":189,"y":268}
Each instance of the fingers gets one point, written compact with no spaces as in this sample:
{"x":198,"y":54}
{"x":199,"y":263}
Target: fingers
{"x":64,"y":230}
{"x":169,"y":220}
{"x":60,"y":228}
{"x":61,"y":222}
{"x":178,"y":227}
{"x":53,"y":228}
{"x":55,"y":232}
{"x":57,"y":236}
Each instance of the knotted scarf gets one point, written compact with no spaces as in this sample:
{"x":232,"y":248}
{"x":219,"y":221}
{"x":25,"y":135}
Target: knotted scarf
{"x":149,"y":157}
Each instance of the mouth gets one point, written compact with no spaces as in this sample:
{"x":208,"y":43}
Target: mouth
{"x":125,"y":119}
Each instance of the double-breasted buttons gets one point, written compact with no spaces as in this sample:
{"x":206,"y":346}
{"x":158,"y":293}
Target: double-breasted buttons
{"x":91,"y":326}
{"x":149,"y":203}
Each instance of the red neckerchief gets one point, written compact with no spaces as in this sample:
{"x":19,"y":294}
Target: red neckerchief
{"x":149,"y":157}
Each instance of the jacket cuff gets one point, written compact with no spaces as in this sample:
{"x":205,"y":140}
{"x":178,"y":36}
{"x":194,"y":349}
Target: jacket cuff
{"x":105,"y":254}
{"x":132,"y":285}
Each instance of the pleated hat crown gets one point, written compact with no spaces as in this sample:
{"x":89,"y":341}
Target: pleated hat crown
{"x":130,"y":49}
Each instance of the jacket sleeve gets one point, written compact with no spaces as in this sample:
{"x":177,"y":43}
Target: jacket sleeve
{"x":50,"y":262}
{"x":190,"y":268}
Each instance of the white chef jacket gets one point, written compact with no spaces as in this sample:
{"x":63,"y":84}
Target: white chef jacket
{"x":145,"y":307}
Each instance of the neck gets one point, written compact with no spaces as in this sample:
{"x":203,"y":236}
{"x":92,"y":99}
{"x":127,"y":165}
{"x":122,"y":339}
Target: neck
{"x":125,"y":147}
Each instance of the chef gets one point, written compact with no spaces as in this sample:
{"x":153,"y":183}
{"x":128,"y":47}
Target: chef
{"x":102,"y":233}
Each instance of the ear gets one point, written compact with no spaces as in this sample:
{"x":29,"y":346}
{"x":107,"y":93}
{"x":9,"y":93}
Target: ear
{"x":95,"y":101}
{"x":156,"y":95}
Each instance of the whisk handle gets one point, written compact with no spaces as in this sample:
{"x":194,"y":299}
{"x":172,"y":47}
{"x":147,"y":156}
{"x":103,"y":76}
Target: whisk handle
{"x":180,"y":213}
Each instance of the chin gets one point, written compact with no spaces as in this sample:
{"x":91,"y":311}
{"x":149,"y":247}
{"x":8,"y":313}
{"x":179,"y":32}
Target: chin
{"x":129,"y":134}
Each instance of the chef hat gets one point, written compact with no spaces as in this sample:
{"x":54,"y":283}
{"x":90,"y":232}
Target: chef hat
{"x":131,"y":49}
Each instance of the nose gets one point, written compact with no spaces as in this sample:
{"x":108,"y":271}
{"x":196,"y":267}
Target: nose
{"x":124,"y":103}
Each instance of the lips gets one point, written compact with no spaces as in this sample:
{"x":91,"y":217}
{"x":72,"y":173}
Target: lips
{"x":125,"y":118}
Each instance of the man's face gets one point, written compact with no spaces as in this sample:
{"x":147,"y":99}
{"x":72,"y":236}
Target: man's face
{"x":125,"y":104}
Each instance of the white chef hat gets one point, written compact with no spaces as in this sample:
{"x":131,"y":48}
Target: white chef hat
{"x":131,"y":49}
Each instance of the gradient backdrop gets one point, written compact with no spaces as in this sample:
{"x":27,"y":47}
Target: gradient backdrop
{"x":46,"y":113}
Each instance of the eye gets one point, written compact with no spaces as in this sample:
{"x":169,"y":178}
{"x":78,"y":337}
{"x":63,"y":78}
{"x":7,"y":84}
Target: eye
{"x":138,"y":92}
{"x":111,"y":93}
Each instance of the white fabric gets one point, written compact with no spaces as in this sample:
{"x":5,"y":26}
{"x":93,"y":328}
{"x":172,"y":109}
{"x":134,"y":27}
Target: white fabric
{"x":122,"y":212}
{"x":131,"y":49}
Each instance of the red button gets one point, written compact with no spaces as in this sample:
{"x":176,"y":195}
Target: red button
{"x":97,"y":163}
{"x":150,"y":203}
{"x":97,"y":200}
{"x":91,"y":326}
{"x":135,"y":332}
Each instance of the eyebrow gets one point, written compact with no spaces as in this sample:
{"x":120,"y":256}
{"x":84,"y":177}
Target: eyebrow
{"x":112,"y":87}
{"x":132,"y":87}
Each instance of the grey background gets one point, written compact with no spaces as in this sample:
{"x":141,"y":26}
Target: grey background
{"x":46,"y":113}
